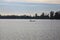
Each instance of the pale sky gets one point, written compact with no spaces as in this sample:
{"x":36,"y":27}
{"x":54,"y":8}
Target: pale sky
{"x":33,"y":1}
{"x":10,"y":7}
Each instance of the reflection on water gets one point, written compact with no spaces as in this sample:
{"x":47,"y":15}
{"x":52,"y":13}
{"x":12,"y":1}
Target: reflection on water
{"x":21,"y":29}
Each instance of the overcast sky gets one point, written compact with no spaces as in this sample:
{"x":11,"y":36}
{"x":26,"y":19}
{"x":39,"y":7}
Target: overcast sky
{"x":12,"y":8}
{"x":38,"y":1}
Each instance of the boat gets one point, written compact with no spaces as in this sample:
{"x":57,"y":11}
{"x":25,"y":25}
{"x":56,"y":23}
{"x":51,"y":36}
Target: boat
{"x":32,"y":20}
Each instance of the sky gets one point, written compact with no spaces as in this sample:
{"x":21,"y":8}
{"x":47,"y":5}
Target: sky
{"x":28,"y":6}
{"x":34,"y":1}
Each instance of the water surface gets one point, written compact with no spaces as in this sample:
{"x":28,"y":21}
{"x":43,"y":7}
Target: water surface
{"x":22,"y":29}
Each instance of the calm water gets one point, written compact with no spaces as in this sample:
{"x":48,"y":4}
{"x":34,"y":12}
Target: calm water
{"x":21,"y":29}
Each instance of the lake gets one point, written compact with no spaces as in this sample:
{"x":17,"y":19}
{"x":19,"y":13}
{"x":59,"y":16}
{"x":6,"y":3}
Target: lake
{"x":23,"y":29}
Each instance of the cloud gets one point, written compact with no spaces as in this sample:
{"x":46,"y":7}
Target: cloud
{"x":52,"y":1}
{"x":1,"y":0}
{"x":38,"y":1}
{"x":11,"y":0}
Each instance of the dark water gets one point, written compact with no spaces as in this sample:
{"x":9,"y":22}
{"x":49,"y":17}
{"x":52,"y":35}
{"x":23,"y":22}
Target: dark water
{"x":21,"y":29}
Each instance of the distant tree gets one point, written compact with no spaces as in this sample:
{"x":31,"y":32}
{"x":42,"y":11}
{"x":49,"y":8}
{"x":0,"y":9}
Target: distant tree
{"x":51,"y":14}
{"x":0,"y":14}
{"x":36,"y":15}
{"x":42,"y":14}
{"x":57,"y":15}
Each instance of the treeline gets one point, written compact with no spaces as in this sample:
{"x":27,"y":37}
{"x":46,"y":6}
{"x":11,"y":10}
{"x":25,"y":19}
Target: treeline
{"x":52,"y":15}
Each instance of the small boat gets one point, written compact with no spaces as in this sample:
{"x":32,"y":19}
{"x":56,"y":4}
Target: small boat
{"x":32,"y":20}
